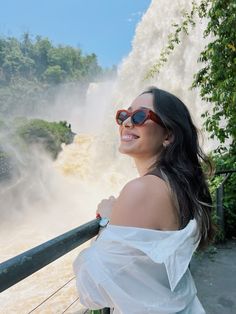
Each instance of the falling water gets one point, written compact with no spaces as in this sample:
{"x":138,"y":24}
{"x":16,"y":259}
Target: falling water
{"x":150,"y":38}
{"x":63,"y":194}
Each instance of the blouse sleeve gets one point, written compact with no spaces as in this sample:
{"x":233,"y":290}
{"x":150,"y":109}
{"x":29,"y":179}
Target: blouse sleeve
{"x":91,"y":293}
{"x":122,"y":273}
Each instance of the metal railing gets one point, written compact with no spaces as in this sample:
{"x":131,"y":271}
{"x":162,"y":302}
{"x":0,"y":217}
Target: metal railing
{"x":27,"y":263}
{"x":220,"y":197}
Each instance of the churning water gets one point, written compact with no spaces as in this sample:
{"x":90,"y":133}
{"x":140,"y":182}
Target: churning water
{"x":53,"y":197}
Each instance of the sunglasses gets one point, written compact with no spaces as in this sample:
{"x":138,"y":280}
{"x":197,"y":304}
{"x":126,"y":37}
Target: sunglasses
{"x":138,"y":117}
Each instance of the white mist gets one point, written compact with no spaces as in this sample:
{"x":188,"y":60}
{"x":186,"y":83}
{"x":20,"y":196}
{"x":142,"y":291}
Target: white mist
{"x":58,"y":196}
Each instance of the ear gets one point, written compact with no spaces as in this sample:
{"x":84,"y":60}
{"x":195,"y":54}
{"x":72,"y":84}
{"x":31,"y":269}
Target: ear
{"x":169,"y":138}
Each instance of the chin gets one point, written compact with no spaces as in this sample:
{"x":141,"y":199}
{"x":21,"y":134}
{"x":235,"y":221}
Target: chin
{"x":122,"y":150}
{"x":127,"y":151}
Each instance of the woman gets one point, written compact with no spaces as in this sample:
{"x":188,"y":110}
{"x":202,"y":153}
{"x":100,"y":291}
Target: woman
{"x":139,"y":262}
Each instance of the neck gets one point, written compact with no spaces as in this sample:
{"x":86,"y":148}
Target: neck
{"x":144,"y":165}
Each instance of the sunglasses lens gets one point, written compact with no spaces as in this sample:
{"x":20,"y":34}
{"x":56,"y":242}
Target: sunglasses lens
{"x":122,"y":116}
{"x":139,"y":117}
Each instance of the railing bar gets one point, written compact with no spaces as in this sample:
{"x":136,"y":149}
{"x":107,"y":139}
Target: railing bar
{"x":27,"y":263}
{"x":70,"y":305}
{"x":224,"y":171}
{"x":86,"y":311}
{"x":50,"y":296}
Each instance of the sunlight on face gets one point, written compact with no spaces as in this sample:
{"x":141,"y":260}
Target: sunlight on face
{"x":143,"y":141}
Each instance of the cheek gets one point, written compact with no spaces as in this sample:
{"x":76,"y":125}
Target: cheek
{"x":154,"y":137}
{"x":150,"y":132}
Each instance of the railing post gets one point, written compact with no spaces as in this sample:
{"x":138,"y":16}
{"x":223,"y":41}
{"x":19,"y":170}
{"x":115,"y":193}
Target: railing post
{"x":220,"y":209}
{"x":219,"y":200}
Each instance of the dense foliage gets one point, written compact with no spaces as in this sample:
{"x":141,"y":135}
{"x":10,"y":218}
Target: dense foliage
{"x":217,"y":78}
{"x":40,"y":60}
{"x":217,"y":84}
{"x":30,"y":69}
{"x":226,"y":161}
{"x":21,"y":135}
{"x":49,"y":135}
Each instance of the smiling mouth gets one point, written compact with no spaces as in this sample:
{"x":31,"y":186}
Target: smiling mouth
{"x":129,"y":137}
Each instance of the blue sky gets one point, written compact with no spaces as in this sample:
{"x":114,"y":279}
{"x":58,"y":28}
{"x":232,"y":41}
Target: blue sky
{"x":105,"y":27}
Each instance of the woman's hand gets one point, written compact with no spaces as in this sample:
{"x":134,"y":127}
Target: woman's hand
{"x":104,"y":208}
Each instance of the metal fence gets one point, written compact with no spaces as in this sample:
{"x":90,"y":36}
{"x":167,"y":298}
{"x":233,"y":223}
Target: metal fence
{"x":27,"y":263}
{"x":21,"y":266}
{"x":220,"y":198}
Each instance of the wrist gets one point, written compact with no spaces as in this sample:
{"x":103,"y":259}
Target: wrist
{"x":104,"y":221}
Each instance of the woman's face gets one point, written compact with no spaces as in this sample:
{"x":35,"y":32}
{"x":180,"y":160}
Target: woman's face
{"x":143,"y":141}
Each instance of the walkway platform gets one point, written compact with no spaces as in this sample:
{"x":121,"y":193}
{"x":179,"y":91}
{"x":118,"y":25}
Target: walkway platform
{"x":215,"y":277}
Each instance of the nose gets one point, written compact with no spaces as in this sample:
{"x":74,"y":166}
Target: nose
{"x":127,"y":123}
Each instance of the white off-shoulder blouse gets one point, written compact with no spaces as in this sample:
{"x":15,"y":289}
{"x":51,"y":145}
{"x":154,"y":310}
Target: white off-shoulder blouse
{"x":137,"y":270}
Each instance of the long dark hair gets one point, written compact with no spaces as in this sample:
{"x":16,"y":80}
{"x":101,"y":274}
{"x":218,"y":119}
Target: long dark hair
{"x":181,"y":164}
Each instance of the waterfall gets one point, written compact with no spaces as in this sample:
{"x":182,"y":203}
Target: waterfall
{"x":176,"y":75}
{"x":103,"y":99}
{"x":91,"y":168}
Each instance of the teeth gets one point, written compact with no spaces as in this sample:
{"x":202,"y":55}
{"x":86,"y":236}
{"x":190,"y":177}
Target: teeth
{"x":129,"y":137}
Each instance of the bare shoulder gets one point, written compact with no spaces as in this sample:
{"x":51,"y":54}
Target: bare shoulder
{"x":145,"y":202}
{"x":144,"y":187}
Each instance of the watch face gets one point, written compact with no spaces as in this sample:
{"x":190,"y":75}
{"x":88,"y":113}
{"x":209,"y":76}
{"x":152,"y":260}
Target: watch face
{"x":103,"y":222}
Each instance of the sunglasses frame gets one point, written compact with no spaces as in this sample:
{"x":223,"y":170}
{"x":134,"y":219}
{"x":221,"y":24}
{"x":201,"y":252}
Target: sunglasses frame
{"x":149,"y":115}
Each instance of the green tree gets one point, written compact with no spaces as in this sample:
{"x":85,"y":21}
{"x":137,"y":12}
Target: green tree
{"x":217,"y":84}
{"x":217,"y":78}
{"x":23,"y":134}
{"x":54,"y":74}
{"x":42,"y":47}
{"x":13,"y":62}
{"x":21,"y":97}
{"x":50,"y":135}
{"x":40,"y":60}
{"x":90,"y":67}
{"x":30,"y":69}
